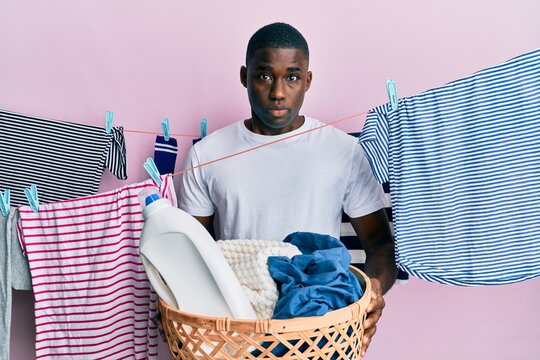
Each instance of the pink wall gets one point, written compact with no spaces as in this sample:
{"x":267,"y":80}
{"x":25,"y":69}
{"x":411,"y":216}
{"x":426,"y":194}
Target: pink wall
{"x":72,"y":60}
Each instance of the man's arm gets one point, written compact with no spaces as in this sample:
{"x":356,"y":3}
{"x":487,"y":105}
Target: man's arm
{"x":374,"y":233}
{"x":207,"y":222}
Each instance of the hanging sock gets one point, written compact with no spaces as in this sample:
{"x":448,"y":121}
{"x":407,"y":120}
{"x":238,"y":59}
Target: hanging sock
{"x":165,"y":154}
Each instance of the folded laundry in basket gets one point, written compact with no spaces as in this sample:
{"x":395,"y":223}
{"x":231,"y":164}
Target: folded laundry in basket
{"x":249,"y":261}
{"x":315,"y":282}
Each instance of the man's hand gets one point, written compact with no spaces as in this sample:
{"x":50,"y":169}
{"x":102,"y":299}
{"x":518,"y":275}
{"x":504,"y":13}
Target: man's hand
{"x":374,"y":312}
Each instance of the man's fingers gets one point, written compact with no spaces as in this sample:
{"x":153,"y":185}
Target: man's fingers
{"x":366,"y":339}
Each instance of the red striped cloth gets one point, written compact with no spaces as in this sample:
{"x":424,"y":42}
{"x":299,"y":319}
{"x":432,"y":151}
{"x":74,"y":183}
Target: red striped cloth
{"x":92,"y":297}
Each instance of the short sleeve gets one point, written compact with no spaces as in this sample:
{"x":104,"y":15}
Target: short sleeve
{"x":194,"y":195}
{"x":116,"y":160}
{"x":374,"y":141}
{"x":364,"y":194}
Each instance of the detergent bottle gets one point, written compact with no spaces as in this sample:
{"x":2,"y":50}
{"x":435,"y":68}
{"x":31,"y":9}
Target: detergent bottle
{"x":184,"y":264}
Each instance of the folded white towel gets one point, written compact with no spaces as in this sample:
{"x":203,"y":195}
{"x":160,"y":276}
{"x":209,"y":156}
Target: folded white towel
{"x":249,"y":261}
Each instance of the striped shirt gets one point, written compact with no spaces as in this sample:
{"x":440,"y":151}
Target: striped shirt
{"x":463,"y":164}
{"x":92,"y":296}
{"x":64,"y":160}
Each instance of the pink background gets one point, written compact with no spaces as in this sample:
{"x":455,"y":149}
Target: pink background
{"x":73,"y":60}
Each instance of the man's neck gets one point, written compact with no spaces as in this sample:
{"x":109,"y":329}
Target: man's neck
{"x":258,"y":128}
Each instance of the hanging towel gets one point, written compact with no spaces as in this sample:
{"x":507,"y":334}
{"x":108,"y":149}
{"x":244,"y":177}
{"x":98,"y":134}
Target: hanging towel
{"x":13,"y":274}
{"x":249,"y":261}
{"x":92,"y":296}
{"x":463,"y":161}
{"x":64,"y":160}
{"x":315,"y":282}
{"x":165,"y":152}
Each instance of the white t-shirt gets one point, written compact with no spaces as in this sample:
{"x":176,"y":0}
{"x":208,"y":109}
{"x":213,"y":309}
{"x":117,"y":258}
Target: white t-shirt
{"x":299,"y":184}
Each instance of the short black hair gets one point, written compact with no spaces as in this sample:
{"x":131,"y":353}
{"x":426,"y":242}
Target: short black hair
{"x":277,"y":35}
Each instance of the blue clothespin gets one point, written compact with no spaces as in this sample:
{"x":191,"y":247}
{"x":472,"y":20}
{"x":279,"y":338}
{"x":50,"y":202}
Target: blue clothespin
{"x":392,"y":93}
{"x":166,"y":129}
{"x":204,"y":124}
{"x":4,"y":202}
{"x":32,"y":197}
{"x":109,"y":115}
{"x":152,"y":170}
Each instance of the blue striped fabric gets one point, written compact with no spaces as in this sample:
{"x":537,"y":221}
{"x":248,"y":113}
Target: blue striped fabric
{"x":463,"y":161}
{"x":349,"y":238}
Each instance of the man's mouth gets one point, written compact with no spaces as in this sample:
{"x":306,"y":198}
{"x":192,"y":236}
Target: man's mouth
{"x":278,"y":112}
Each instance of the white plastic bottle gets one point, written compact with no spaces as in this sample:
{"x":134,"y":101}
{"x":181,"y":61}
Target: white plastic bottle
{"x":185,"y":265}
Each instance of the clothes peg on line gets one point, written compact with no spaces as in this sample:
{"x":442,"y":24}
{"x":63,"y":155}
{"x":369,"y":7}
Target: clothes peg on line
{"x":166,"y":129}
{"x":392,"y":93}
{"x":151,"y":168}
{"x":4,"y":202}
{"x":204,"y":125}
{"x":32,"y":197}
{"x":109,"y":115}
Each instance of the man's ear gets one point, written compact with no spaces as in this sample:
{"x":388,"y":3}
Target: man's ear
{"x":308,"y":80}
{"x":243,"y":76}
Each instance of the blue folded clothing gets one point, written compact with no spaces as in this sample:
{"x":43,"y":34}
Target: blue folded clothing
{"x":315,"y":282}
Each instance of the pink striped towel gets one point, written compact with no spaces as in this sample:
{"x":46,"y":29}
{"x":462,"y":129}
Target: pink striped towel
{"x":92,"y":297}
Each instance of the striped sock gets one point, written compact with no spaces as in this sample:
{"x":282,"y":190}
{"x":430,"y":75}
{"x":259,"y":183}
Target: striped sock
{"x":165,"y":154}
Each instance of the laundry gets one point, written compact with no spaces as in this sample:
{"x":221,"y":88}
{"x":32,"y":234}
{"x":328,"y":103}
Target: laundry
{"x":165,"y":153}
{"x":315,"y":282}
{"x":65,"y":160}
{"x":14,"y":274}
{"x":249,"y":261}
{"x":92,"y":296}
{"x":462,"y":161}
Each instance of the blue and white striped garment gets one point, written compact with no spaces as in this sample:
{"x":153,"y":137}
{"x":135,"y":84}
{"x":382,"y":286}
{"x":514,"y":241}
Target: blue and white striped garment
{"x":463,"y":161}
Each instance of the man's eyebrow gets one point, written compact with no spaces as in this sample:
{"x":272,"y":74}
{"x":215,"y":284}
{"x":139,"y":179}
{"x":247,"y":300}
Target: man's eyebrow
{"x":264,"y":68}
{"x":294,"y":69}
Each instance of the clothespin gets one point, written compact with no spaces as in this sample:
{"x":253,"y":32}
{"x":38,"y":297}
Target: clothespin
{"x":166,"y":129}
{"x":109,"y":115}
{"x":153,"y":171}
{"x":32,"y":197}
{"x":4,"y":202}
{"x":392,"y":93}
{"x":204,"y":124}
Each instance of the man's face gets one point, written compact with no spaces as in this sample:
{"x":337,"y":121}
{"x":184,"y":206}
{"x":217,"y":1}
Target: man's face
{"x":276,"y":81}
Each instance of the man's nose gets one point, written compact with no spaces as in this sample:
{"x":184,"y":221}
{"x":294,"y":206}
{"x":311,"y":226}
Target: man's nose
{"x":277,"y":92}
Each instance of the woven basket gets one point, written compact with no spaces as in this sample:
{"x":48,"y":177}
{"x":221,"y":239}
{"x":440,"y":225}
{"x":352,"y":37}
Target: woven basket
{"x":335,"y":335}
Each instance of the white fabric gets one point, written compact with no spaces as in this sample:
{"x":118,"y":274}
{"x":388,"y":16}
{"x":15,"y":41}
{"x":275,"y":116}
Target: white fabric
{"x":249,"y":261}
{"x":299,"y":184}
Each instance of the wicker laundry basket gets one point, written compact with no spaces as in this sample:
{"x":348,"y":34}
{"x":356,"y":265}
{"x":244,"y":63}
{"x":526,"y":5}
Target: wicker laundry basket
{"x":335,"y":335}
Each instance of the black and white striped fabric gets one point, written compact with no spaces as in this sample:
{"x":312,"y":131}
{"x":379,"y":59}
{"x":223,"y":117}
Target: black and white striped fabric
{"x":463,"y":162}
{"x":64,"y":160}
{"x":349,"y":238}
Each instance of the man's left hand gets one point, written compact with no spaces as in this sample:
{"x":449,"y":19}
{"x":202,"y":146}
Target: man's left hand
{"x":374,"y":312}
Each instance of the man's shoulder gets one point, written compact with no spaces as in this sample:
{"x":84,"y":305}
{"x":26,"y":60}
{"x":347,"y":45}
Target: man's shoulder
{"x":330,"y":133}
{"x":220,"y":138}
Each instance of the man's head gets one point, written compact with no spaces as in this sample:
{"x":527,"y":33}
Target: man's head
{"x":276,"y":76}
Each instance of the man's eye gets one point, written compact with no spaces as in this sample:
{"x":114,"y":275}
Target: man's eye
{"x":264,"y":77}
{"x":292,"y":78}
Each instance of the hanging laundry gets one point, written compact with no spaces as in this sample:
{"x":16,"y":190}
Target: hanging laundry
{"x":249,"y":261}
{"x":349,"y":238}
{"x":92,"y":296}
{"x":64,"y":160}
{"x":315,"y":282}
{"x":463,"y":165}
{"x":14,"y":274}
{"x":165,"y":152}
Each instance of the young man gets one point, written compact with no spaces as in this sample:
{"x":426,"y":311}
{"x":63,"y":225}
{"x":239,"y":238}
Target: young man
{"x":299,"y":184}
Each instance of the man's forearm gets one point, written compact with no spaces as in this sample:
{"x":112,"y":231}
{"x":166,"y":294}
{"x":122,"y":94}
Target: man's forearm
{"x":381,"y":264}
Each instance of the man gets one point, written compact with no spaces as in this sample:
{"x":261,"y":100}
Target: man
{"x":302,"y":183}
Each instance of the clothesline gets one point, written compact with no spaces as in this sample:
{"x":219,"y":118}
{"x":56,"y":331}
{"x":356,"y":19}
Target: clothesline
{"x":267,"y":144}
{"x":160,"y":133}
